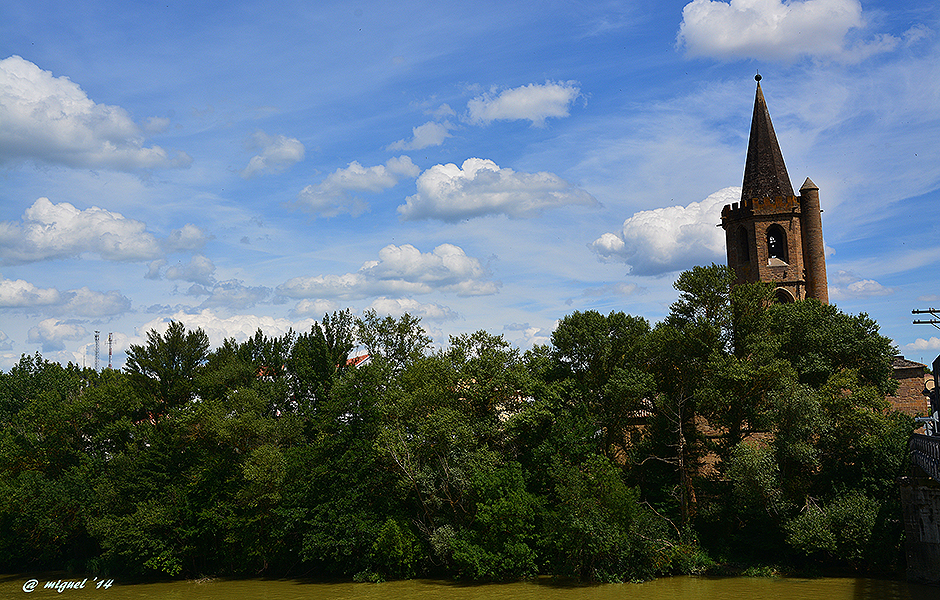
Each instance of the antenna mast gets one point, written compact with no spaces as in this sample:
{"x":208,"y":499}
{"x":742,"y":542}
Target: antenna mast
{"x":96,"y":348}
{"x":110,"y":342}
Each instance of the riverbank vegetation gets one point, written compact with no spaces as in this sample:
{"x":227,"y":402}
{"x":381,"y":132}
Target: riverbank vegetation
{"x":734,"y":432}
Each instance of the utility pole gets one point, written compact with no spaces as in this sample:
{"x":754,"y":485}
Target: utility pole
{"x":933,"y":312}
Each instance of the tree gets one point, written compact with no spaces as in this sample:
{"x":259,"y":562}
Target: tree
{"x":820,"y":340}
{"x":397,"y":341}
{"x":603,"y":359}
{"x":165,"y":368}
{"x":317,"y":358}
{"x":44,"y":466}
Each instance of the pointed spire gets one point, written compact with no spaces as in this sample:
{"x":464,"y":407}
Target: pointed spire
{"x":765,"y":175}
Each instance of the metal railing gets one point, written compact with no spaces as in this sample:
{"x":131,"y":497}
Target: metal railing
{"x":925,"y":453}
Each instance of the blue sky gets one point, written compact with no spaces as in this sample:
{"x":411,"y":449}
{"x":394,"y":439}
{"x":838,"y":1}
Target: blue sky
{"x":490,"y":166}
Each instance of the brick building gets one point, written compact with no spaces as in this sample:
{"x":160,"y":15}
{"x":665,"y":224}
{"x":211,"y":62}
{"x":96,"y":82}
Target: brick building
{"x":772,"y":234}
{"x":913,"y":395}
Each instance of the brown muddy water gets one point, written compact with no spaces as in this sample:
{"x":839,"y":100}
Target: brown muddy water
{"x":672,"y":588}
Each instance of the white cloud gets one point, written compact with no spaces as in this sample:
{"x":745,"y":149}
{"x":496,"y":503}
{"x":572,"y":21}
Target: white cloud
{"x":531,"y":102}
{"x":333,"y":196}
{"x":240,"y":327}
{"x":53,"y":231}
{"x":186,"y":239}
{"x":51,"y":119}
{"x":53,"y":334}
{"x":846,"y":285}
{"x":921,"y":344}
{"x":444,"y":110}
{"x":480,"y":187}
{"x":768,"y":29}
{"x":236,"y":295}
{"x":154,"y":269}
{"x":530,"y":336}
{"x":396,"y":307}
{"x":669,"y":239}
{"x":278,"y":153}
{"x":315,"y":308}
{"x":156,"y":124}
{"x":197,"y":270}
{"x":84,"y":302}
{"x":423,"y":136}
{"x":613,"y":289}
{"x":400,"y":270}
{"x":22,"y":294}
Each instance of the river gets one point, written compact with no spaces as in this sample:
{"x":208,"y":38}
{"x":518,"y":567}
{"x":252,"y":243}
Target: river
{"x":671,"y":588}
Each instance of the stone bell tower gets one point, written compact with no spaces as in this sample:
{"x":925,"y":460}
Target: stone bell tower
{"x":773,"y":235}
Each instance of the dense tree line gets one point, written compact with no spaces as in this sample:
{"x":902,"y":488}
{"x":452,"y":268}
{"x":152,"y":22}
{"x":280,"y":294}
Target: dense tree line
{"x":734,"y":430}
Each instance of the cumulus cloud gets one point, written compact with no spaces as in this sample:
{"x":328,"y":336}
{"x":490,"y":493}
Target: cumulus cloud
{"x":22,"y":294}
{"x":239,"y":327}
{"x":397,"y":307}
{"x":333,"y":196}
{"x":186,"y":239}
{"x":846,"y":284}
{"x":480,"y":187}
{"x":921,"y":344}
{"x":154,"y":269}
{"x":663,"y":240}
{"x":400,"y":271}
{"x":50,"y":119}
{"x":236,"y":295}
{"x":315,"y":308}
{"x":528,"y":335}
{"x":768,"y":29}
{"x":83,"y":302}
{"x":423,"y":136}
{"x":53,"y":334}
{"x":55,"y":231}
{"x":531,"y":102}
{"x":278,"y":153}
{"x":198,"y":270}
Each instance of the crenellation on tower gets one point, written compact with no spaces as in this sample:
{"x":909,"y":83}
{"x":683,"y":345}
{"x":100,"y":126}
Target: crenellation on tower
{"x":771,"y":234}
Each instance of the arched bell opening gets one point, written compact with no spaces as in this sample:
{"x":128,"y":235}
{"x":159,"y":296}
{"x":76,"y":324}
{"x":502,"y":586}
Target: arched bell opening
{"x":777,"y":244}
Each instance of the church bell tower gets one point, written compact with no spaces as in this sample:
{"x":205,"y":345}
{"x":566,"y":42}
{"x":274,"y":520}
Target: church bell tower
{"x":773,"y":235}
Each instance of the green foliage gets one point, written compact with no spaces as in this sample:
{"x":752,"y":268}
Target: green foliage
{"x":497,"y":543}
{"x":841,"y":530}
{"x":395,"y":551}
{"x":756,"y":480}
{"x":398,"y":341}
{"x":597,"y":530}
{"x":820,"y":340}
{"x":601,"y":360}
{"x":622,"y":451}
{"x":165,"y":369}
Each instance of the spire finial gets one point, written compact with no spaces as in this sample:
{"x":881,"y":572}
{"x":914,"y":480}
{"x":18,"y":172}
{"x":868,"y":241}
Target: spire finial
{"x":757,"y":78}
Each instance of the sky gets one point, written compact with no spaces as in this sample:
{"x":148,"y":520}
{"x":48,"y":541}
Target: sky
{"x":494,"y":166}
